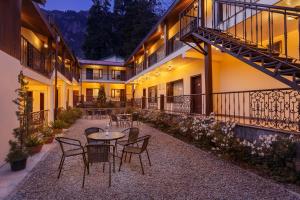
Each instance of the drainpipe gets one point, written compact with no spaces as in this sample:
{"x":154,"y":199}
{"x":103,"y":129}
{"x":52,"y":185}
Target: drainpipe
{"x":57,"y":40}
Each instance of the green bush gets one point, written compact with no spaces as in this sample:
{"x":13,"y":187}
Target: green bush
{"x":47,"y":132}
{"x":33,"y":141}
{"x":69,"y":116}
{"x":59,"y":124}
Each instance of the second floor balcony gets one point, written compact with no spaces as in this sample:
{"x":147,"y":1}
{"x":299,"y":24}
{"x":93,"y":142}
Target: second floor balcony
{"x":113,"y":76}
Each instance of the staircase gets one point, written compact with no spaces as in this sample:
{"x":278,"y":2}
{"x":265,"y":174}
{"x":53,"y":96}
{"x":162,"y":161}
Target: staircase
{"x":240,"y":34}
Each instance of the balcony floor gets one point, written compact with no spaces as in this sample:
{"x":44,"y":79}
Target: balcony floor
{"x":179,"y":171}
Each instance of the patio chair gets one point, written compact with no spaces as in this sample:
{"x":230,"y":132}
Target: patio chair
{"x":135,"y":118}
{"x":91,"y":130}
{"x":99,"y":153}
{"x":70,"y":147}
{"x":132,"y":135}
{"x":130,"y":148}
{"x":114,"y":118}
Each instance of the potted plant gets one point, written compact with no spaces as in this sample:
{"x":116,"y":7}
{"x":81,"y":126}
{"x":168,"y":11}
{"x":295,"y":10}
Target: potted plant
{"x":48,"y":134}
{"x":17,"y":156}
{"x":58,"y":125}
{"x":34,"y":144}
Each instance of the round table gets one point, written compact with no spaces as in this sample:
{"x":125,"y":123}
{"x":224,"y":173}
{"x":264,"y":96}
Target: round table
{"x":103,"y":136}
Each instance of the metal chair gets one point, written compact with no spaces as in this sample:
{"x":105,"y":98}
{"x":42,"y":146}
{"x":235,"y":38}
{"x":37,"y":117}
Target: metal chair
{"x":135,"y":118}
{"x":70,"y":147}
{"x":132,"y":134}
{"x":99,"y":153}
{"x":114,"y":118}
{"x":132,"y":149}
{"x":90,"y":131}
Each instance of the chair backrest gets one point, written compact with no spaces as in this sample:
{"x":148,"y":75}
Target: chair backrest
{"x":114,"y":117}
{"x":98,"y":153}
{"x":90,"y":131}
{"x":133,"y":134}
{"x":135,"y":116}
{"x":145,"y":140}
{"x":68,"y":143}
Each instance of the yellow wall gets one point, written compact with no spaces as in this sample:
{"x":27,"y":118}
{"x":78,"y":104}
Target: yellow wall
{"x":108,"y":87}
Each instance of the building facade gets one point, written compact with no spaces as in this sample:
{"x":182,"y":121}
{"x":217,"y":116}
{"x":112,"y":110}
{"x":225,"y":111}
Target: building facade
{"x":30,"y":43}
{"x":236,"y":59}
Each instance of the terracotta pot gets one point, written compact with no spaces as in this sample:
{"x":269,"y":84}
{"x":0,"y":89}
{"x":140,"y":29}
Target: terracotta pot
{"x":18,"y":165}
{"x":49,"y":140}
{"x":35,"y":150}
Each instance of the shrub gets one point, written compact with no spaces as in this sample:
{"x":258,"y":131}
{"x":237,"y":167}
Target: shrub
{"x":59,"y":124}
{"x":33,"y":141}
{"x":47,"y":132}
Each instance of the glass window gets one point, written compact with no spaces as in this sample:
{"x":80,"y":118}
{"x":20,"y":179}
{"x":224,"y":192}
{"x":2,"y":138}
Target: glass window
{"x":98,"y":74}
{"x":174,"y":89}
{"x":89,"y":73}
{"x":152,"y":94}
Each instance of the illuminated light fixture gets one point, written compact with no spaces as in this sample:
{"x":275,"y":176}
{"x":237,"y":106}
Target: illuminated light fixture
{"x":45,"y":45}
{"x":170,"y":67}
{"x":162,"y":36}
{"x":156,"y":73}
{"x":58,"y":39}
{"x":290,"y":18}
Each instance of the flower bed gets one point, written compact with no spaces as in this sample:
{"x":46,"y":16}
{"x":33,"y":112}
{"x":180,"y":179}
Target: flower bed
{"x":271,"y":155}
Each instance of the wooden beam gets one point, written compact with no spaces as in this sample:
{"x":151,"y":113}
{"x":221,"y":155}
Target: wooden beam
{"x":208,"y":79}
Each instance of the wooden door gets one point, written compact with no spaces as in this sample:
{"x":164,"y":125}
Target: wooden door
{"x":196,"y":94}
{"x":42,"y":101}
{"x":89,"y":95}
{"x":144,"y":99}
{"x":75,"y":97}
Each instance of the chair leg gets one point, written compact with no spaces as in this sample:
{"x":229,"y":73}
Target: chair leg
{"x":148,"y":157}
{"x":125,"y":157}
{"x":114,"y":163}
{"x":109,"y":174}
{"x":121,"y":161}
{"x":84,"y":171}
{"x":86,"y":164}
{"x":130,"y":157}
{"x":63,"y":160}
{"x":141,"y":163}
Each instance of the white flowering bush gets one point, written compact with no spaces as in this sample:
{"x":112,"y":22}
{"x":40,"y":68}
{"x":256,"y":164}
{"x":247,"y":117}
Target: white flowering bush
{"x":273,"y":154}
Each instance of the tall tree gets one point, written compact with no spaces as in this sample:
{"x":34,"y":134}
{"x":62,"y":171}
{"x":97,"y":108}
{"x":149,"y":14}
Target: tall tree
{"x":98,"y":41}
{"x":135,"y":19}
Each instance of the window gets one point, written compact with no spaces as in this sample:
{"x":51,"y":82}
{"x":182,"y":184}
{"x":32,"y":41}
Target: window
{"x":89,"y":73}
{"x":117,"y":94}
{"x":174,"y":89}
{"x":116,"y":74}
{"x":98,"y":74}
{"x":152,"y":94}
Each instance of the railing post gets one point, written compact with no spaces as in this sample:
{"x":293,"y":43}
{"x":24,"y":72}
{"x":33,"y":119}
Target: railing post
{"x":162,"y":102}
{"x":298,"y":107}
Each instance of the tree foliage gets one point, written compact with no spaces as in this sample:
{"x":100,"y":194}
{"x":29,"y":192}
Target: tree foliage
{"x":120,"y":31}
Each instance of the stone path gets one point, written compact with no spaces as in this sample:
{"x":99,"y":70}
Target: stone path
{"x":179,"y":171}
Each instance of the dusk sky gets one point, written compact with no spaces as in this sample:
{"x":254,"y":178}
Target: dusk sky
{"x":76,"y":5}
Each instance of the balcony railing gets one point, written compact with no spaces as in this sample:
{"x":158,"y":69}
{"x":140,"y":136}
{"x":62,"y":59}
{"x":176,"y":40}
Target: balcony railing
{"x":33,"y":58}
{"x":275,"y":108}
{"x":104,"y":77}
{"x":35,"y":119}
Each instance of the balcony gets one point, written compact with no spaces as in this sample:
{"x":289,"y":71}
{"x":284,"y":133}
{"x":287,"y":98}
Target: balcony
{"x":173,"y":45}
{"x":34,"y":59}
{"x":104,"y":77}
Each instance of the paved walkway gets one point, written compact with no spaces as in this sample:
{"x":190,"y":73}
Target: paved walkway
{"x":179,"y":171}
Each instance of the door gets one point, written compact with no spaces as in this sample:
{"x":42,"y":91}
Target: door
{"x":75,"y":97}
{"x":42,"y":101}
{"x":196,"y":94}
{"x":89,"y":95}
{"x":42,"y":107}
{"x":144,"y":99}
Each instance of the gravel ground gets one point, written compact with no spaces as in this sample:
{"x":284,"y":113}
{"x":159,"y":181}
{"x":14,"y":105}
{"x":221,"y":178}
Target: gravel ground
{"x":179,"y":171}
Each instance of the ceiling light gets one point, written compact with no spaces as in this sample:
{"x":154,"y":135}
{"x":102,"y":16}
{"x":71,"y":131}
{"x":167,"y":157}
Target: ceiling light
{"x":170,"y":68}
{"x":45,"y":45}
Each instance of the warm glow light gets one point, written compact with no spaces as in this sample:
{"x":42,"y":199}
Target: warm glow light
{"x":45,"y":46}
{"x":170,"y":68}
{"x":290,"y":18}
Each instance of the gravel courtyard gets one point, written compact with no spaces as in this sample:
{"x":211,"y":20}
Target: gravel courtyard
{"x":179,"y":171}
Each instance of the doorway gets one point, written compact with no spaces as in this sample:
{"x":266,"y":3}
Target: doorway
{"x":196,"y":92}
{"x":42,"y":101}
{"x":144,"y":99}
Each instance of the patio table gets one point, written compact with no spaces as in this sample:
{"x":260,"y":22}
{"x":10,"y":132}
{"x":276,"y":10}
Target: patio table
{"x":106,"y":137}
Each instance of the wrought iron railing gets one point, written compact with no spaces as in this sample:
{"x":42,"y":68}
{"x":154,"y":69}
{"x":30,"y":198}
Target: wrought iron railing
{"x":36,"y":119}
{"x":104,"y":77}
{"x":273,"y":108}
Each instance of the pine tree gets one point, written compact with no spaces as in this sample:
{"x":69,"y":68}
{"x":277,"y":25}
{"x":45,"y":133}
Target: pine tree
{"x":98,"y":41}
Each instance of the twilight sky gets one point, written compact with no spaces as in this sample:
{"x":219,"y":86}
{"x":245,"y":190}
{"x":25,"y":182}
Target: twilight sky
{"x":76,"y":5}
